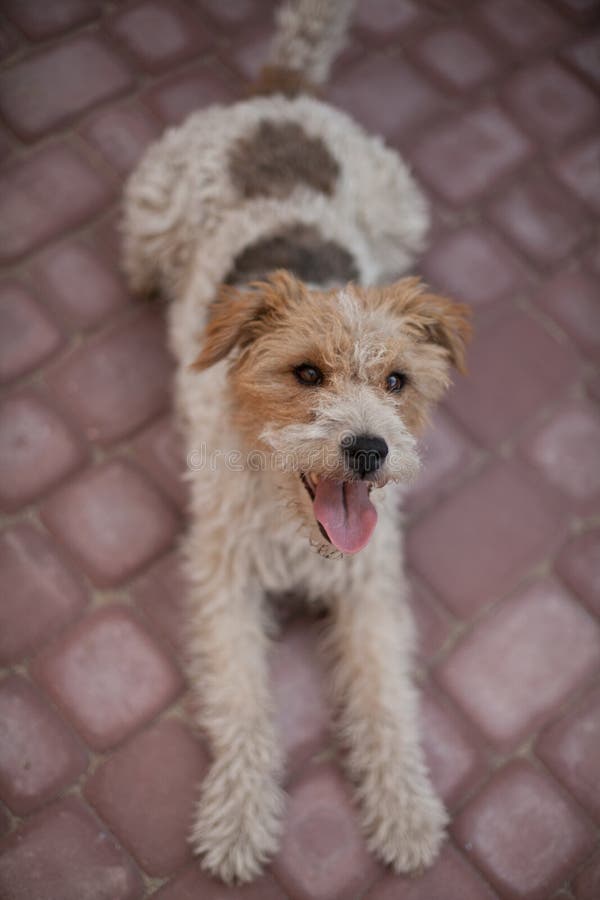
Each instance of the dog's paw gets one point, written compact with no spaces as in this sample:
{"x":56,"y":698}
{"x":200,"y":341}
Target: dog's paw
{"x":407,"y":828}
{"x":237,"y":824}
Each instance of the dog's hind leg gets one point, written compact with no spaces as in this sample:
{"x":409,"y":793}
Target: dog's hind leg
{"x":238,"y":817}
{"x":369,"y":648}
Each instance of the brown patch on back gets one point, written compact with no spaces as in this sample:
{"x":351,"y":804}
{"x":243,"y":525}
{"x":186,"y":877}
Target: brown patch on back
{"x":277,"y":157}
{"x":281,"y":80}
{"x":301,"y":250}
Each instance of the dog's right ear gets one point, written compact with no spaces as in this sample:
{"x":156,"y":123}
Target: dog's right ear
{"x":238,"y":315}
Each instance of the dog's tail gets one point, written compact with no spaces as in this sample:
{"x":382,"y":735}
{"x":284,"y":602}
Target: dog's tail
{"x":310,"y":33}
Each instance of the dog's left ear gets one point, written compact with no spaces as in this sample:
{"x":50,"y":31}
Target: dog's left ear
{"x":237,"y":316}
{"x":437,"y":319}
{"x":231,"y":314}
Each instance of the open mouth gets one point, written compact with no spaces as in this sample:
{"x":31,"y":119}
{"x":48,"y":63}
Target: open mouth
{"x":343,"y":510}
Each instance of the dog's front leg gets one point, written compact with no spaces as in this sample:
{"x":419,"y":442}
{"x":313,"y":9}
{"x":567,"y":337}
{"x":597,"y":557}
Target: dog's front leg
{"x":369,"y":647}
{"x":238,"y":818}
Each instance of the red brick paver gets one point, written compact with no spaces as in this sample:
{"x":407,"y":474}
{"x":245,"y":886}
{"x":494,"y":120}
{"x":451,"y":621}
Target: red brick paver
{"x":41,"y":93}
{"x":27,"y":335}
{"x":37,"y":449}
{"x":52,"y":190}
{"x":109,"y":676}
{"x":38,"y":754}
{"x":323,"y":854}
{"x":112,"y":519}
{"x":553,"y":835}
{"x":495,"y":105}
{"x":152,"y":772}
{"x":41,"y":592}
{"x":66,"y":850}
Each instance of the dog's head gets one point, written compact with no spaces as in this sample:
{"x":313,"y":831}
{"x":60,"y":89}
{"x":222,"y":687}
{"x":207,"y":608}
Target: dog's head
{"x":333,"y":387}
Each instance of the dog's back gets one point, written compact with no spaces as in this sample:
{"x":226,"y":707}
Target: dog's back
{"x":278,"y":180}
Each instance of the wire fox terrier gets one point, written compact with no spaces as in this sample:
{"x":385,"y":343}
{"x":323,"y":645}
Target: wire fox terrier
{"x":277,"y":227}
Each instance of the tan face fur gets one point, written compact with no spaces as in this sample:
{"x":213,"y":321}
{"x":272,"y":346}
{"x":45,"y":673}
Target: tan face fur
{"x":355,"y":337}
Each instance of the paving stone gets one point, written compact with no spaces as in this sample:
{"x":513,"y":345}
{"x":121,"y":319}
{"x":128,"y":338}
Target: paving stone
{"x":174,"y":98}
{"x":38,"y":755}
{"x":473,"y":265}
{"x":515,"y":368}
{"x":458,"y":57}
{"x":160,"y":592}
{"x":587,"y":883}
{"x":109,"y":676}
{"x":27,"y":335}
{"x":384,"y":20}
{"x":7,"y":145}
{"x":65,"y":850}
{"x":593,"y":386}
{"x":112,"y":520}
{"x":54,"y":189}
{"x":160,"y":452}
{"x":543,"y":220}
{"x":464,"y":158}
{"x":4,"y":821}
{"x":593,"y":257}
{"x":585,"y":56}
{"x":445,"y":453}
{"x":39,"y":19}
{"x":323,"y":855}
{"x":569,"y":748}
{"x":578,"y":564}
{"x":579,"y":10}
{"x":116,"y":381}
{"x":523,"y":25}
{"x":522,"y":661}
{"x":121,"y":133}
{"x":565,"y":448}
{"x":106,"y":236}
{"x":579,"y":169}
{"x":433,"y":623}
{"x":550,"y":103}
{"x":37,"y":449}
{"x":40,"y":93}
{"x":77,"y":283}
{"x":503,"y":522}
{"x":453,"y":752}
{"x":247,"y":55}
{"x":364,"y":91}
{"x":523,"y":833}
{"x":10,"y":39}
{"x":571,"y":298}
{"x":160,"y":33}
{"x":299,"y":680}
{"x":140,"y":780}
{"x":40,"y":594}
{"x":236,"y":15}
{"x":193,"y":884}
{"x":450,"y":878}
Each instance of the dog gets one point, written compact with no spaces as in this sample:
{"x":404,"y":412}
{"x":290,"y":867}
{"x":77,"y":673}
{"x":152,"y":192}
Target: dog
{"x":278,"y":230}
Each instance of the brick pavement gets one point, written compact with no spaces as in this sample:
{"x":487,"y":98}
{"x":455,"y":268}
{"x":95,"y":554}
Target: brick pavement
{"x":495,"y":103}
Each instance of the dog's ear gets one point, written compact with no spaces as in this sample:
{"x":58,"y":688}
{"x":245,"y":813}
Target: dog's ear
{"x":237,"y":316}
{"x":230,"y":314}
{"x":436,"y":319}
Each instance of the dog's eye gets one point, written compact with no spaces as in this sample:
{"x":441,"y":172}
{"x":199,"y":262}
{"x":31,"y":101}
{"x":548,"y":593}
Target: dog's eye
{"x":307,"y":374}
{"x":395,"y":381}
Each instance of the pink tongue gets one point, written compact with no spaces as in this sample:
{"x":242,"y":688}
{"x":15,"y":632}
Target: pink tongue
{"x":344,"y":510}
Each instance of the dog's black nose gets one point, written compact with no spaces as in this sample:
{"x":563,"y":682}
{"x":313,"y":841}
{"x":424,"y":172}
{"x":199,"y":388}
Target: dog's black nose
{"x":364,"y":453}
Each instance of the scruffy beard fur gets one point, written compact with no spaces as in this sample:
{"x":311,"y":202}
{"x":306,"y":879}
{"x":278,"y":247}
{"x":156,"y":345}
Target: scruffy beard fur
{"x":356,"y":337}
